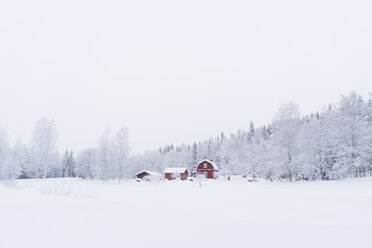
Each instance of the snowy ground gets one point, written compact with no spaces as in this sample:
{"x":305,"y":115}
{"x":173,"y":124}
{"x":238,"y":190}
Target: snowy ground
{"x":77,"y":213}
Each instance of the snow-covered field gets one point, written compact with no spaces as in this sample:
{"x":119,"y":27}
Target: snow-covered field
{"x":77,"y":213}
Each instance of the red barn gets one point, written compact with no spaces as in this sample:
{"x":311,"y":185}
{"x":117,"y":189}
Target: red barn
{"x":174,"y":173}
{"x":207,"y":168}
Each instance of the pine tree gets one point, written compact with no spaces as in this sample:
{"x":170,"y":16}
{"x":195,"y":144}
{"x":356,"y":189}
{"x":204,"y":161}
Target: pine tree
{"x":194,"y":157}
{"x":5,"y":165}
{"x":251,"y":132}
{"x":65,"y":163}
{"x":71,"y":165}
{"x":368,"y":139}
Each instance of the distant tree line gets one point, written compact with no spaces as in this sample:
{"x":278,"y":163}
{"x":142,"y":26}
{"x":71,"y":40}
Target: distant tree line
{"x":333,"y":144}
{"x":41,"y":159}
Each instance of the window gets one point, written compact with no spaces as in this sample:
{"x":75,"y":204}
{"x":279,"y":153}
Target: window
{"x":205,"y":174}
{"x":205,"y":165}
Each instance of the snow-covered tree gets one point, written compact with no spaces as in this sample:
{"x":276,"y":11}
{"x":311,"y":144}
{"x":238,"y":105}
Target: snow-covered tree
{"x":17,"y":161}
{"x":105,"y":156}
{"x":287,"y":124}
{"x":194,"y":157}
{"x":68,"y":164}
{"x":317,"y":145}
{"x":254,"y":160}
{"x":368,"y":138}
{"x":352,"y":136}
{"x":121,"y":150}
{"x":227,"y":159}
{"x":252,"y":132}
{"x":5,"y":165}
{"x":43,"y":148}
{"x":86,"y":163}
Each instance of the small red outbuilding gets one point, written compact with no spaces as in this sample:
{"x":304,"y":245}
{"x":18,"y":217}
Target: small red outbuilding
{"x":147,"y":175}
{"x":207,"y":168}
{"x":175,"y":172}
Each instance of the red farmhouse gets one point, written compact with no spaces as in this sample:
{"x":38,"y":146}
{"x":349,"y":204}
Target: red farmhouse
{"x":174,"y":173}
{"x":207,"y":168}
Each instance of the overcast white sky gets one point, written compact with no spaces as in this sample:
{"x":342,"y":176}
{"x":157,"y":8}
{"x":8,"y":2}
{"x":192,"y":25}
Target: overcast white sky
{"x":175,"y":71}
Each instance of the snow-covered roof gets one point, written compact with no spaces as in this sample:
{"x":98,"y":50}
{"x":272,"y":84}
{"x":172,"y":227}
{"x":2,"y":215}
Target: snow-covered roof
{"x":212,"y":163}
{"x":175,"y":170}
{"x":152,"y":173}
